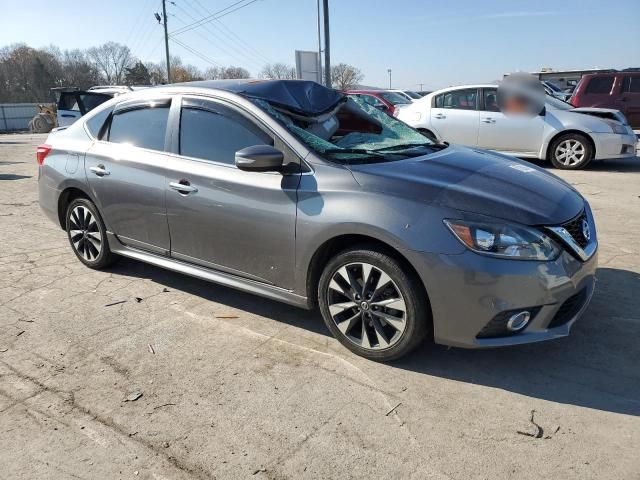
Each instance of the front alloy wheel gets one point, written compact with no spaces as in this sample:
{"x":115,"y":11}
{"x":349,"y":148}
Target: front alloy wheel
{"x":366,"y":306}
{"x":373,"y":304}
{"x":571,"y":152}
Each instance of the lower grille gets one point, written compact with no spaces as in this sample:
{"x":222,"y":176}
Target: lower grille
{"x":569,"y":309}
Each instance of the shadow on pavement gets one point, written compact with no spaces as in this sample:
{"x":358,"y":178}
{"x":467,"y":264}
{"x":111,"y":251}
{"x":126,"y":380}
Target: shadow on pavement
{"x":13,"y":176}
{"x":613,"y":165}
{"x":597,"y":366}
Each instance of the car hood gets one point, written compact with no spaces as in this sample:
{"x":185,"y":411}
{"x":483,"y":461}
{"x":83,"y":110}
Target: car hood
{"x":476,"y":181}
{"x":608,"y":113}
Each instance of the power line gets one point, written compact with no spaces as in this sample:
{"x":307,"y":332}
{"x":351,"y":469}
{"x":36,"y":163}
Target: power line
{"x":218,"y":39}
{"x":249,"y":48}
{"x":200,"y":55}
{"x":213,"y":16}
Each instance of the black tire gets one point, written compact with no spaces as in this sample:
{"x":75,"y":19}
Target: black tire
{"x":564,"y":144}
{"x":385,"y":342}
{"x":429,"y":134}
{"x":88,"y":235}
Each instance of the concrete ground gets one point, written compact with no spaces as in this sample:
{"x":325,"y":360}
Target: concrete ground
{"x":236,"y":386}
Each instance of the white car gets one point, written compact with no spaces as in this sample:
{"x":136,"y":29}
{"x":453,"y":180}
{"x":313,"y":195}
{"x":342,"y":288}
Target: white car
{"x":569,"y":137}
{"x":73,"y":104}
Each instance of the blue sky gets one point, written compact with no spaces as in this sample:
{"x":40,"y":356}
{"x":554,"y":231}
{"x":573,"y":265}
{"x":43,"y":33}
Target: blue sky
{"x":433,"y":42}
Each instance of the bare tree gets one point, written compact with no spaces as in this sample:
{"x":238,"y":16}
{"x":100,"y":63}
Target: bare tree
{"x":278,"y":71}
{"x":213,"y":73}
{"x":111,"y":60}
{"x":27,"y":74}
{"x":344,"y":76}
{"x":235,"y":72}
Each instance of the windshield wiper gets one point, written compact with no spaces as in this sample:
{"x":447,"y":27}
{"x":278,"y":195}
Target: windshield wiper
{"x":360,"y":151}
{"x":402,"y":146}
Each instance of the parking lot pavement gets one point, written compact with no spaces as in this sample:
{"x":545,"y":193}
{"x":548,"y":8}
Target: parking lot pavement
{"x":235,"y":386}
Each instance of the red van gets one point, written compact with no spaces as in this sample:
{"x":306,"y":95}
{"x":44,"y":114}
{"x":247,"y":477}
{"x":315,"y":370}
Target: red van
{"x":619,"y":90}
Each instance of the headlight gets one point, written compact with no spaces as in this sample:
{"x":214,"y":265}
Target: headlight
{"x":504,"y":240}
{"x":617,"y":127}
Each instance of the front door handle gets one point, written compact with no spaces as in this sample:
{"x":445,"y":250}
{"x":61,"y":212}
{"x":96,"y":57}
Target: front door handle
{"x":440,"y":116}
{"x":100,"y":171}
{"x":488,"y":120}
{"x":183,"y":186}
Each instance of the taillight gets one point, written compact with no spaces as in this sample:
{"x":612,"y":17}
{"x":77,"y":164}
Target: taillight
{"x":395,"y":111}
{"x":42,"y":152}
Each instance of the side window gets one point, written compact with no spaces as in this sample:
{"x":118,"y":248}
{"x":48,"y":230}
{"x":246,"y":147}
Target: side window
{"x":216,"y":133}
{"x":142,"y":127}
{"x":491,"y":100}
{"x":95,"y":123}
{"x":458,"y":99}
{"x":599,"y":85}
{"x":68,"y":102}
{"x":92,"y":100}
{"x":631,"y":84}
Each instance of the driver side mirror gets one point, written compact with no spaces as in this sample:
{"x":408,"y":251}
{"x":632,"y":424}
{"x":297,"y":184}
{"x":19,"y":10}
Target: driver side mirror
{"x":259,"y":158}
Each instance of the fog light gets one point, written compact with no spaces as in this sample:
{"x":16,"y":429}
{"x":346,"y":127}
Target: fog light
{"x":518,"y":321}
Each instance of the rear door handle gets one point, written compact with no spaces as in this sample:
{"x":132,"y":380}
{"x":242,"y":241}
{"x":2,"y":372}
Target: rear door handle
{"x":440,"y":116}
{"x":183,"y":186}
{"x":488,"y":120}
{"x":100,"y":171}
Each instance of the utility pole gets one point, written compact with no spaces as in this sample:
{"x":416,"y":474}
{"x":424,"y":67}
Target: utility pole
{"x":327,"y":51}
{"x":319,"y":46}
{"x":166,"y":39}
{"x":389,"y":72}
{"x":421,"y":84}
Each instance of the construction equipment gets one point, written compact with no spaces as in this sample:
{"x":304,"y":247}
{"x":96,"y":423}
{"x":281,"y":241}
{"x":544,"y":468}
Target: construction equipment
{"x":45,"y":120}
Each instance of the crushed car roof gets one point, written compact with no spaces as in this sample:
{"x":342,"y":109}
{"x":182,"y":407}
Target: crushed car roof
{"x":298,"y":96}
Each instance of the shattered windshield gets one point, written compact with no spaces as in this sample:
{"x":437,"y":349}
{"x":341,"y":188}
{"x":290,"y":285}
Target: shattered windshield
{"x":354,"y":132}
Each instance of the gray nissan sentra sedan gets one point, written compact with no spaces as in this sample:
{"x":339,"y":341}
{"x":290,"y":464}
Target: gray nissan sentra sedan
{"x":293,"y":191}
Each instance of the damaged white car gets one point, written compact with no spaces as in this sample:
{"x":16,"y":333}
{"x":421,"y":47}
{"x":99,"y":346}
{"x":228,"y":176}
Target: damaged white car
{"x":566,"y":136}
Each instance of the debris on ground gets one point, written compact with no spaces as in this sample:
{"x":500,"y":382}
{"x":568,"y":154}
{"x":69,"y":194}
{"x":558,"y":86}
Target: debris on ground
{"x":3,"y":349}
{"x":151,"y":350}
{"x":133,"y":396}
{"x":392,"y":410}
{"x":164,"y":405}
{"x":19,"y":333}
{"x":255,"y":472}
{"x":226,"y":316}
{"x":115,"y":303}
{"x":138,"y":299}
{"x":540,"y":431}
{"x":165,"y":290}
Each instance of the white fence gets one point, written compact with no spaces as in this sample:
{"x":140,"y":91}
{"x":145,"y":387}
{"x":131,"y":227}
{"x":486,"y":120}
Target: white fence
{"x":16,"y":116}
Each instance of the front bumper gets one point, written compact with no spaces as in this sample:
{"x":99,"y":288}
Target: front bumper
{"x":468,"y":290}
{"x":614,"y":145}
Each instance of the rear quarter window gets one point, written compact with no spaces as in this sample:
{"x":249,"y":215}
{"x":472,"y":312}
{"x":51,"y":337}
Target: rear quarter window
{"x":96,"y":124}
{"x":599,"y":85}
{"x":631,"y":84}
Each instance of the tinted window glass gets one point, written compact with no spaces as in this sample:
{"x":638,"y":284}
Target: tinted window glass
{"x":631,"y":84}
{"x":599,"y":85}
{"x":95,"y":123}
{"x":92,"y":100}
{"x":491,"y":100}
{"x":458,"y":99}
{"x":68,"y":102}
{"x":143,"y":127}
{"x":217,"y":136}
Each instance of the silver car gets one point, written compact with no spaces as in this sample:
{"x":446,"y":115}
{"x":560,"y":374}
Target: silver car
{"x":295,"y":192}
{"x":568,"y":137}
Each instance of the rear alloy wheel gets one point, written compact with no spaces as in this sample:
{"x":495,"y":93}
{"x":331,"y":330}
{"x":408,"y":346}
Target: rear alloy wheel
{"x":87,"y":234}
{"x":372,"y":306}
{"x":571,"y":152}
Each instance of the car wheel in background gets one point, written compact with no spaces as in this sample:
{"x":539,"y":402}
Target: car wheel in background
{"x":373,"y":305}
{"x":571,"y":151}
{"x":87,"y":234}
